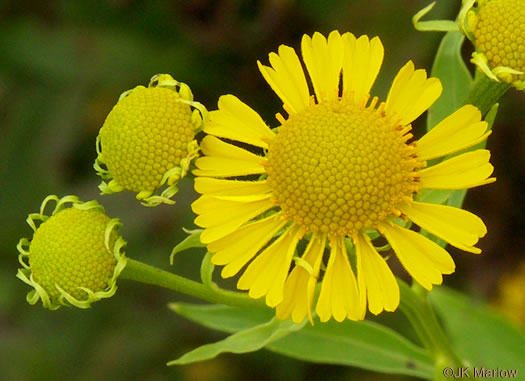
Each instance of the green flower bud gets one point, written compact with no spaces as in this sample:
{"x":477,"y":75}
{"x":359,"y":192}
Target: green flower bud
{"x":147,"y":140}
{"x":497,"y":30}
{"x":75,"y":255}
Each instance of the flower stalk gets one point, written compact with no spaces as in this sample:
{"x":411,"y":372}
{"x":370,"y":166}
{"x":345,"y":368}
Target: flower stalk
{"x":415,"y":306}
{"x":143,"y":273}
{"x":485,"y":92}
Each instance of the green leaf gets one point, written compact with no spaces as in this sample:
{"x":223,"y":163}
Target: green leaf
{"x":191,"y":241}
{"x":456,"y":198}
{"x":207,"y":268}
{"x":454,"y":75}
{"x":479,"y":335}
{"x":491,"y":116}
{"x":366,"y":345}
{"x":362,"y":344}
{"x":434,"y":196}
{"x":248,"y":340}
{"x":222,"y":318}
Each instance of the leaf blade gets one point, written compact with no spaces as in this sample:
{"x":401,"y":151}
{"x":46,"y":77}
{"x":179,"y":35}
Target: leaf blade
{"x":361,"y":344}
{"x":248,"y":340}
{"x":220,"y":317}
{"x":364,"y":344}
{"x":450,"y":68}
{"x":479,"y":335}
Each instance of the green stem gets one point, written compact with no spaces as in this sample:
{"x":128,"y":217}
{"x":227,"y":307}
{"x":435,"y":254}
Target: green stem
{"x":414,"y":304}
{"x":486,"y":92}
{"x":147,"y":274}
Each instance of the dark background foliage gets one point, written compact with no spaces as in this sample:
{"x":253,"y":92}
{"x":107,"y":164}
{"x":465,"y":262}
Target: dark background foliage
{"x":63,"y":65}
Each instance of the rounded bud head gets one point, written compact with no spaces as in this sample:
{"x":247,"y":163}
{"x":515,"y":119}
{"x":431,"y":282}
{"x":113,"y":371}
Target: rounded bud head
{"x":74,"y":256}
{"x":147,"y":140}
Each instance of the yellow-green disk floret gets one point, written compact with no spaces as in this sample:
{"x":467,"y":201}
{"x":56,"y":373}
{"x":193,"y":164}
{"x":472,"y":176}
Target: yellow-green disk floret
{"x":144,"y":136}
{"x":68,"y":250}
{"x":147,"y":140}
{"x":74,"y":256}
{"x":497,"y":29}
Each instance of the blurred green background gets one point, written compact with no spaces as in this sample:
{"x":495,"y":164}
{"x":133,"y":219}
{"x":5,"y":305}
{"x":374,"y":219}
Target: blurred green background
{"x":63,"y":65}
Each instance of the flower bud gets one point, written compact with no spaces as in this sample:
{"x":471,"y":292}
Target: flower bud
{"x":74,"y":256}
{"x":497,"y":30}
{"x":147,"y":140}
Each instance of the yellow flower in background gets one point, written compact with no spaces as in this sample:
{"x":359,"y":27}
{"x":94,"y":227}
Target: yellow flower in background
{"x":511,"y":299}
{"x":147,"y":140}
{"x":338,"y":169}
{"x":497,"y":29}
{"x":74,"y":256}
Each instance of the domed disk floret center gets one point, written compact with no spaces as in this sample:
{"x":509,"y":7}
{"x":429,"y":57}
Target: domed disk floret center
{"x":338,"y":167}
{"x":68,"y":250}
{"x":145,"y":135}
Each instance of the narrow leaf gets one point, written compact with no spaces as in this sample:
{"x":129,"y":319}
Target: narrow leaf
{"x":361,"y":344}
{"x":222,"y":318}
{"x":249,"y":340}
{"x":434,"y":196}
{"x":480,"y":335}
{"x":366,"y":345}
{"x":450,"y":68}
{"x":207,"y":268}
{"x":191,"y":241}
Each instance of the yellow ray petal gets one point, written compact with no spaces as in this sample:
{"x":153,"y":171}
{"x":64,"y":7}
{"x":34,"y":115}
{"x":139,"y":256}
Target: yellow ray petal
{"x":412,"y":93}
{"x":240,"y":198}
{"x":221,"y":167}
{"x":237,"y":121}
{"x":267,"y":273}
{"x":237,"y":248}
{"x":221,"y":217}
{"x":375,"y":278}
{"x":339,"y":295}
{"x":424,"y":260}
{"x":221,"y":187}
{"x":458,"y":227}
{"x":223,"y":160}
{"x":458,"y":131}
{"x":286,"y":78}
{"x":212,"y":146}
{"x":299,"y":288}
{"x":217,"y":210}
{"x":323,"y":60}
{"x":467,"y":170}
{"x":362,"y":61}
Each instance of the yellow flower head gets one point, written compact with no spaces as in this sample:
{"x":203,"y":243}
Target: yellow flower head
{"x":74,"y":257}
{"x":511,"y":299}
{"x":339,"y":170}
{"x":497,"y":29}
{"x":147,"y":140}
